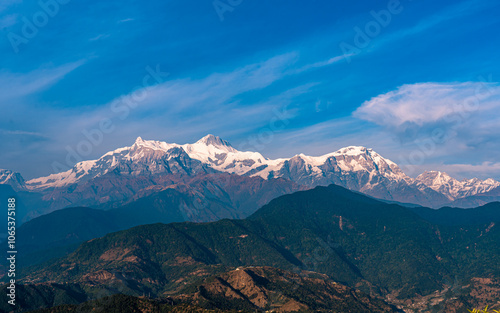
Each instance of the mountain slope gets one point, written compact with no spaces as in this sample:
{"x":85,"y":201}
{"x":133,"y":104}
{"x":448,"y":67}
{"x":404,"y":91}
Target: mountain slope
{"x":486,"y":214}
{"x":54,"y":234}
{"x":201,"y":198}
{"x":365,"y":233}
{"x":61,"y":229}
{"x":128,"y":304}
{"x":251,"y":289}
{"x":379,"y":248}
{"x":270,"y":289}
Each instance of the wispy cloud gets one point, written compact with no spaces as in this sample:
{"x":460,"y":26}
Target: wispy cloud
{"x":193,"y":96}
{"x":29,"y":126}
{"x":100,"y":36}
{"x":452,"y":12}
{"x":320,"y":64}
{"x":22,"y":133}
{"x":17,"y":85}
{"x":126,"y":20}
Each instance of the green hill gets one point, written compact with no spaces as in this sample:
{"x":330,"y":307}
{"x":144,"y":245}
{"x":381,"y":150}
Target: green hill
{"x":377,"y":247}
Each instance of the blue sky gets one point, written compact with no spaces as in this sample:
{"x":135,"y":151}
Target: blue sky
{"x":417,"y":81}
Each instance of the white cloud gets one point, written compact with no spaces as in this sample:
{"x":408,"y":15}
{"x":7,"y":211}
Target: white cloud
{"x":428,"y":103}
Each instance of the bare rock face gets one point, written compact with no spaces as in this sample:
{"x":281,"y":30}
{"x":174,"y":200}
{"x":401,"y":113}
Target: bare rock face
{"x":272,"y":289}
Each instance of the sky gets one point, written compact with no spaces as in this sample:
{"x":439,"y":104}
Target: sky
{"x":417,"y":81}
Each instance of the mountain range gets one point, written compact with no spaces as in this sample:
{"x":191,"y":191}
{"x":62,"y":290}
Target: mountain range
{"x":148,"y":166}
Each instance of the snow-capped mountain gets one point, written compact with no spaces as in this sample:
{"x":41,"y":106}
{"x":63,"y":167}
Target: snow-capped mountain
{"x":14,"y":179}
{"x":454,"y":189}
{"x":210,"y":153}
{"x":356,"y":168}
{"x":213,"y":153}
{"x":142,"y":158}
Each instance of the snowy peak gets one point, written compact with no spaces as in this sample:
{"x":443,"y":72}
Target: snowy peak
{"x":14,"y":179}
{"x":353,"y":150}
{"x":434,"y":178}
{"x":139,"y":141}
{"x":149,"y":144}
{"x":215,"y":141}
{"x":210,"y":141}
{"x":453,"y":188}
{"x":221,"y":156}
{"x":440,"y":182}
{"x":367,"y":154}
{"x":147,"y":157}
{"x":340,"y":166}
